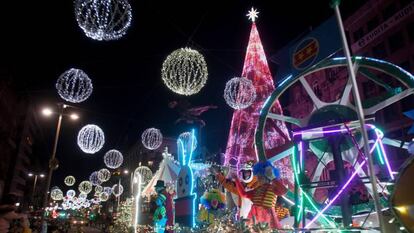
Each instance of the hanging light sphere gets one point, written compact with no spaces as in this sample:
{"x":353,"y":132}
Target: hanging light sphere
{"x":91,"y":139}
{"x":93,"y":178}
{"x":151,"y":138}
{"x":85,"y":187}
{"x":113,"y":159}
{"x":117,"y":190}
{"x":56,"y":194}
{"x":184,"y":71}
{"x":104,"y":175}
{"x":70,"y":193}
{"x":239,"y":93}
{"x":98,"y":189}
{"x":186,"y":138}
{"x":82,"y":197}
{"x":74,"y":86}
{"x":103,"y":19}
{"x":145,"y":173}
{"x":103,"y":196}
{"x":107,"y":190}
{"x":69,"y":180}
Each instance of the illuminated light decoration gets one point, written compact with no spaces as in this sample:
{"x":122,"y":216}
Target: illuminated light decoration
{"x":103,"y":196}
{"x":189,"y":140}
{"x":144,"y":173}
{"x":239,"y":93}
{"x":104,"y":175}
{"x":337,"y":194}
{"x":137,"y":198}
{"x":82,"y":197}
{"x":113,"y":159}
{"x":103,"y":19}
{"x":74,"y":86}
{"x":410,"y":148}
{"x":85,"y":187}
{"x":98,"y":189}
{"x":56,"y":194}
{"x":253,"y":14}
{"x":107,"y":190}
{"x":70,"y":193}
{"x":93,"y":178}
{"x":91,"y":139}
{"x":185,"y":183}
{"x":69,"y":180}
{"x":117,"y":190}
{"x":184,"y":71}
{"x":151,"y":138}
{"x":240,"y":142}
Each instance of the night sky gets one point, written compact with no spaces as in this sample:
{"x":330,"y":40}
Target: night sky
{"x":41,"y":39}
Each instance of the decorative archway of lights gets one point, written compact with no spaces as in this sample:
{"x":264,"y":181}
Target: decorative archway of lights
{"x":342,"y":113}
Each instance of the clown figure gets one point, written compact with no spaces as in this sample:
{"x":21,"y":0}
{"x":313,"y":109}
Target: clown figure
{"x":160,"y":188}
{"x":160,"y":215}
{"x":264,"y":196}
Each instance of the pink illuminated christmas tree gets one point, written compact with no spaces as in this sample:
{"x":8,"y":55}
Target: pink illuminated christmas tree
{"x":240,"y":144}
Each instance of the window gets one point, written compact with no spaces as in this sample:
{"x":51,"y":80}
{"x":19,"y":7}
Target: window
{"x":358,"y":34}
{"x":389,"y":11}
{"x":396,"y":41}
{"x":410,"y":30}
{"x":373,"y":23}
{"x":379,"y":51}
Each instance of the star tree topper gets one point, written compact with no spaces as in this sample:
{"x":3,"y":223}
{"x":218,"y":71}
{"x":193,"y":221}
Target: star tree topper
{"x":253,"y":14}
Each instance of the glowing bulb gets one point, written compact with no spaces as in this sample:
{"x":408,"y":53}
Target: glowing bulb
{"x":47,"y":112}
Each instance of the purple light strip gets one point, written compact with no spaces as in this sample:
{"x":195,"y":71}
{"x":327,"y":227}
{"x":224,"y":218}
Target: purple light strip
{"x":300,"y":156}
{"x":337,"y":195}
{"x":328,"y":131}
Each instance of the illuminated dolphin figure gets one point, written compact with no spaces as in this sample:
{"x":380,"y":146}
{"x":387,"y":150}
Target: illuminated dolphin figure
{"x":185,"y":202}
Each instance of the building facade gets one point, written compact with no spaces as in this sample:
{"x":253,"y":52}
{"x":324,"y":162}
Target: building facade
{"x":19,"y":130}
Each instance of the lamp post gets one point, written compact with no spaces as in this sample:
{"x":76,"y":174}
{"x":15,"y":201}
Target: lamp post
{"x":41,"y":175}
{"x":53,"y":162}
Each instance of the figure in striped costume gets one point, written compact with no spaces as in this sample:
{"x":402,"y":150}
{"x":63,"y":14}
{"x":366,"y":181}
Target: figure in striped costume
{"x":264,"y":197}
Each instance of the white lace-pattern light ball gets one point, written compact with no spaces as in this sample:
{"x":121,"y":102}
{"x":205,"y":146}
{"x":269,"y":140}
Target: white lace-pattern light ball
{"x":184,"y":71}
{"x":146,"y":174}
{"x":239,"y":93}
{"x":74,"y":86}
{"x":186,"y":138}
{"x":93,"y":178}
{"x":103,"y":196}
{"x":82,"y":197}
{"x":103,"y":19}
{"x":98,"y":189}
{"x":56,"y":194}
{"x":104,"y":175}
{"x":85,"y":187}
{"x":91,"y":139}
{"x":151,"y":138}
{"x":69,"y":180}
{"x":107,"y":190}
{"x":71,"y":193}
{"x":117,"y":190}
{"x":113,"y":159}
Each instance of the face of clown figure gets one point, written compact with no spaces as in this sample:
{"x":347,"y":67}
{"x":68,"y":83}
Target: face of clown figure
{"x":184,"y":182}
{"x":269,"y":173}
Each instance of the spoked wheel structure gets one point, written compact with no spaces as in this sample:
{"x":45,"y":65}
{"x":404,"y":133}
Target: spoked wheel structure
{"x":327,"y":148}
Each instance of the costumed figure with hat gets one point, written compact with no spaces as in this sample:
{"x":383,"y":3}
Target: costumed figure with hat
{"x":264,"y":196}
{"x":160,"y":215}
{"x":160,"y":188}
{"x":212,"y":204}
{"x":248,"y":183}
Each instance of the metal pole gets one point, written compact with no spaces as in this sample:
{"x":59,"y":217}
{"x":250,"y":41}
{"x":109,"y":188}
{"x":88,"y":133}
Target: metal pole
{"x":34,"y":188}
{"x":51,"y":168}
{"x":360,"y":113}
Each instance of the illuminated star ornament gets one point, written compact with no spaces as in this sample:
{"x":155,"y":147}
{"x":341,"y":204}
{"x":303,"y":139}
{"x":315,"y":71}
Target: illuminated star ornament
{"x":253,"y":14}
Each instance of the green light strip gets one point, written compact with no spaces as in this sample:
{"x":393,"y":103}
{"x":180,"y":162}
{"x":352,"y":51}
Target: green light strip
{"x":379,"y":154}
{"x":304,"y":193}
